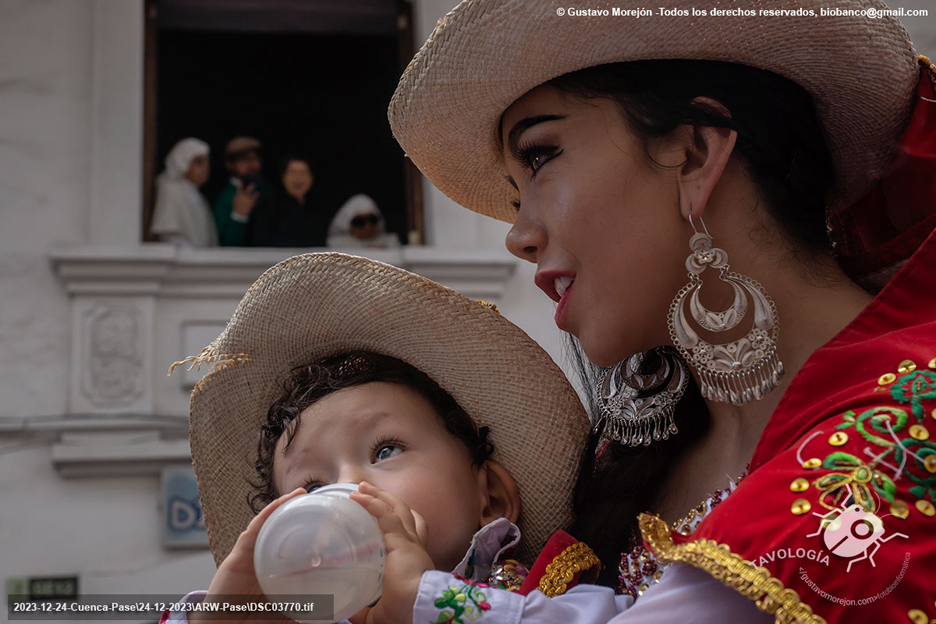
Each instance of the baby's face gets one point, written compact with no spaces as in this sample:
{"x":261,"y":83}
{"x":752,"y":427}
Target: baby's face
{"x":389,"y":435}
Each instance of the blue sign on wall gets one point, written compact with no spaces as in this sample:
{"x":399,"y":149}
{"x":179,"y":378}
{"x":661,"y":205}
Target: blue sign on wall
{"x":183,"y":522}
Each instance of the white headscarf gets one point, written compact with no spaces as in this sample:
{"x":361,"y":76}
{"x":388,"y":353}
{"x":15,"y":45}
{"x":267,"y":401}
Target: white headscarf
{"x":180,"y":157}
{"x":181,"y":214}
{"x":339,"y":231}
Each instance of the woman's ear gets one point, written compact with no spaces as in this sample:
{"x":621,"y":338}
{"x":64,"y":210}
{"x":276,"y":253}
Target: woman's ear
{"x":500,"y":497}
{"x":706,"y":159}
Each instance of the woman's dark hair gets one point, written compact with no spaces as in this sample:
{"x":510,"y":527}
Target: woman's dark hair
{"x":781,"y":144}
{"x":622,"y":481}
{"x":780,"y":138}
{"x":307,"y":384}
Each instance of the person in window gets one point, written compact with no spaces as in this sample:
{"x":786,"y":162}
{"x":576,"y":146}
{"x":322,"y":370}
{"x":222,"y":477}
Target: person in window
{"x":235,"y":204}
{"x":182,"y":215}
{"x":359,"y":223}
{"x":288,"y":218}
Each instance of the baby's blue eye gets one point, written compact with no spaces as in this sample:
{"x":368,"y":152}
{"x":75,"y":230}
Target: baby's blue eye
{"x":387,"y":451}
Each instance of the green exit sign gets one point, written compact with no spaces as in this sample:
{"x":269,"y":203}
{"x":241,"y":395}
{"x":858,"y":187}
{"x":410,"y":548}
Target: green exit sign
{"x":43,"y":588}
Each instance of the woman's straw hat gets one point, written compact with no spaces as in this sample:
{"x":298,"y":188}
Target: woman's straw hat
{"x":320,"y":304}
{"x":485,"y":54}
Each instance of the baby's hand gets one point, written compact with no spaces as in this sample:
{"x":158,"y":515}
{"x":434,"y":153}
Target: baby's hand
{"x":407,"y":559}
{"x":236,"y":574}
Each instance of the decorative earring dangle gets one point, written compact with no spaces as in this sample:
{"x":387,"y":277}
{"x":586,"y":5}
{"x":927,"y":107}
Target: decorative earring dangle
{"x":637,"y":408}
{"x":740,"y":371}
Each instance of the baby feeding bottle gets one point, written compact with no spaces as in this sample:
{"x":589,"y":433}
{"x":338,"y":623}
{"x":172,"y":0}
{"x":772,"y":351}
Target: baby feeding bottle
{"x":322,"y":543}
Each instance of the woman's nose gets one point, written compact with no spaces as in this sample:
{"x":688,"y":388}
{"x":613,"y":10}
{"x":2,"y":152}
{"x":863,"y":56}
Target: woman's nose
{"x":526,"y":238}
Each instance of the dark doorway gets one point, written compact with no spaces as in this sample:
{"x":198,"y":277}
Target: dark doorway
{"x":299,"y":77}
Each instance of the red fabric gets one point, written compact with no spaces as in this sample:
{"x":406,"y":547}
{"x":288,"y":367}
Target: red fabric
{"x":558,"y":542}
{"x":897,"y":214}
{"x":837,"y":387}
{"x":165,"y":617}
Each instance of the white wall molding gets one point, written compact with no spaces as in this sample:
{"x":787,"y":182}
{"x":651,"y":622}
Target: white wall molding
{"x":117,"y":453}
{"x":162,"y":270}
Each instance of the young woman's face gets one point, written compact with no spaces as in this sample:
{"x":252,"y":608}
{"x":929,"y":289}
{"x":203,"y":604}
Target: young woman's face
{"x":199,"y":170}
{"x":297,"y":179}
{"x":390,"y":436}
{"x":600,"y":221}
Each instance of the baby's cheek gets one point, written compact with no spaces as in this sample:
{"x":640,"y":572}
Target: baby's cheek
{"x":449,"y":543}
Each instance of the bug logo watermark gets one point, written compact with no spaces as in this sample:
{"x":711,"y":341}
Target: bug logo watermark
{"x":853,"y":533}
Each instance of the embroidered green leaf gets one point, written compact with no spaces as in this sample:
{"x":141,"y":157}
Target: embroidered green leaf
{"x":862,"y":496}
{"x":919,"y":491}
{"x":830,"y":480}
{"x":449,"y":593}
{"x":841,"y":461}
{"x":845,"y":425}
{"x":884,"y":486}
{"x":881,"y":420}
{"x":444,"y":617}
{"x":441,"y":603}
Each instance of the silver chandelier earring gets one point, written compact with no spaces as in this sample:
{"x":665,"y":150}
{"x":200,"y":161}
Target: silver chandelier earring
{"x":740,"y":371}
{"x":636,"y":406}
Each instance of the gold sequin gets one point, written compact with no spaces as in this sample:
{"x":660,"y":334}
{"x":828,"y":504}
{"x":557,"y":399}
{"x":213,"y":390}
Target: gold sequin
{"x":641,"y":589}
{"x":907,"y":366}
{"x":887,"y":378}
{"x":925,"y":507}
{"x":919,"y":432}
{"x":930,"y":463}
{"x":917,"y":617}
{"x":933,"y":414}
{"x":932,"y":363}
{"x":813,"y":463}
{"x":838,"y":438}
{"x":799,"y":485}
{"x":900,"y":509}
{"x":800,"y":506}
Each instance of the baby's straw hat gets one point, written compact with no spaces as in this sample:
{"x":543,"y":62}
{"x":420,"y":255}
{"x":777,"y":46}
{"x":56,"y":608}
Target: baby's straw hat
{"x":321,"y":304}
{"x":486,"y":54}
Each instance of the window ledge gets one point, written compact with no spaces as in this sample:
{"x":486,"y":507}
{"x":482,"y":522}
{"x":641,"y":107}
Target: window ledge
{"x":161,"y":269}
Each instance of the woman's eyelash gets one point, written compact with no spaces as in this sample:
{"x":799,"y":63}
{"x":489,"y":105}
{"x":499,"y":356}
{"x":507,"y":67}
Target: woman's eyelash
{"x":527,"y":155}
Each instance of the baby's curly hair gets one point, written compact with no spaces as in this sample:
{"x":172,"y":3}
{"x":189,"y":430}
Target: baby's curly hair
{"x":307,"y":384}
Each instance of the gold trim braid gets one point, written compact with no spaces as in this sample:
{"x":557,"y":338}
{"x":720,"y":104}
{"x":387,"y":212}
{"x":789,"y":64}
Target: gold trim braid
{"x":731,"y":569}
{"x":925,"y":60}
{"x":574,"y":559}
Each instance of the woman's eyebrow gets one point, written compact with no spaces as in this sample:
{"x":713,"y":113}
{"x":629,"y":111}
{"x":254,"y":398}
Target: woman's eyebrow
{"x":525,"y":124}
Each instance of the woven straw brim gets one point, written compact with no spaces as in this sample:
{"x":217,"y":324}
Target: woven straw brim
{"x":315,"y":305}
{"x":485,"y":54}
